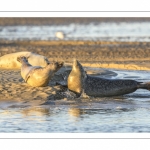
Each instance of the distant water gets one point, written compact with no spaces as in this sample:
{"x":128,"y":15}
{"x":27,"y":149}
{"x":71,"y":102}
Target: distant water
{"x":123,"y":31}
{"x":128,"y":113}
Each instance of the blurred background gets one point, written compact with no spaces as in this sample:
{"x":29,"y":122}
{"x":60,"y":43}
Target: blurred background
{"x":106,"y":29}
{"x":92,"y":40}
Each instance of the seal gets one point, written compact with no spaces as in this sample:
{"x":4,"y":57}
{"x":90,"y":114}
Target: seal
{"x":76,"y":78}
{"x":37,"y":76}
{"x":9,"y":61}
{"x":79,"y":82}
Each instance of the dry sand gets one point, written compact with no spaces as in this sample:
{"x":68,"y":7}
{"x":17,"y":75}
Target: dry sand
{"x":118,"y":55}
{"x":13,"y":87}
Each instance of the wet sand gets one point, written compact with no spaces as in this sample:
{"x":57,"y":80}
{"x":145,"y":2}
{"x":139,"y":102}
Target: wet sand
{"x":13,"y":87}
{"x":94,"y":54}
{"x":117,"y":55}
{"x":53,"y":109}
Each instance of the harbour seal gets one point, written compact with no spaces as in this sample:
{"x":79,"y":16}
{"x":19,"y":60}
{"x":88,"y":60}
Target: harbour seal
{"x":79,"y":82}
{"x":9,"y":61}
{"x":37,"y":76}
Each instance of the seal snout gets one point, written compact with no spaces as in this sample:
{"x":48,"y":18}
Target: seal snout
{"x":56,"y":65}
{"x":60,"y":64}
{"x":75,"y":62}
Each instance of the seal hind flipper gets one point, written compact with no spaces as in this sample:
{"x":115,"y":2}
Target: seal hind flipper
{"x":144,"y":85}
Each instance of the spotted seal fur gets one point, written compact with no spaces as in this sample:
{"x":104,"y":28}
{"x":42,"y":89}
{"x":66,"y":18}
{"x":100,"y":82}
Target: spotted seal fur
{"x":79,"y":82}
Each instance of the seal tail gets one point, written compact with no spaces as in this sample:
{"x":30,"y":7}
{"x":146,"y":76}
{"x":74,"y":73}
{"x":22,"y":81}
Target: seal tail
{"x":145,"y":85}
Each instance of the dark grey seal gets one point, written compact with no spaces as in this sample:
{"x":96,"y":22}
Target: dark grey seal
{"x":79,"y":82}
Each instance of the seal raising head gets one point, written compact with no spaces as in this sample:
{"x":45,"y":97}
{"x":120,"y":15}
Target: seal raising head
{"x":76,"y":78}
{"x":79,"y":81}
{"x":37,"y":76}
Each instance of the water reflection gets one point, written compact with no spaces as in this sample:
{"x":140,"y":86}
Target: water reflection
{"x":75,"y":112}
{"x":105,"y":117}
{"x":78,"y":112}
{"x":126,"y":113}
{"x":35,"y":111}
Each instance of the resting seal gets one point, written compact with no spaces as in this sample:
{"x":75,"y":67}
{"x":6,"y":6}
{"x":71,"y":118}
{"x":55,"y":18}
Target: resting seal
{"x":37,"y":76}
{"x":79,"y":82}
{"x":9,"y":61}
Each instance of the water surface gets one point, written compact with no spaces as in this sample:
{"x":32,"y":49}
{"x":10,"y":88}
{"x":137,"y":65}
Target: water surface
{"x":128,"y":113}
{"x":107,"y":31}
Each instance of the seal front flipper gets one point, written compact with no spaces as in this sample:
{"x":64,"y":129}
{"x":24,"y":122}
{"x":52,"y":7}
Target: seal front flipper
{"x":26,"y":78}
{"x":84,"y":95}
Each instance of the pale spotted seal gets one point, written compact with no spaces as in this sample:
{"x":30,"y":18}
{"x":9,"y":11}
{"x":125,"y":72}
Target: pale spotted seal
{"x":37,"y":76}
{"x":9,"y":61}
{"x":79,"y":82}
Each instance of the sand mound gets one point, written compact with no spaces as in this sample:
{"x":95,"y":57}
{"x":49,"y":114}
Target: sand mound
{"x":13,"y":87}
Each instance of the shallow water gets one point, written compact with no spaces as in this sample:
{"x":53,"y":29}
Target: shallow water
{"x":107,"y":31}
{"x":128,"y":113}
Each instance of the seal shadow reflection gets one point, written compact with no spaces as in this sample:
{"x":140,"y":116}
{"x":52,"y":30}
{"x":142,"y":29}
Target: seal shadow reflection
{"x":36,"y":111}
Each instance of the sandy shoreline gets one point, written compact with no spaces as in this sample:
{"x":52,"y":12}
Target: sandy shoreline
{"x":94,"y":54}
{"x":117,"y":55}
{"x":13,"y":87}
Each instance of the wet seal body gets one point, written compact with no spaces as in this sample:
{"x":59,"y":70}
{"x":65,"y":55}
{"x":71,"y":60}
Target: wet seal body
{"x":79,"y":82}
{"x":37,"y":76}
{"x":9,"y":61}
